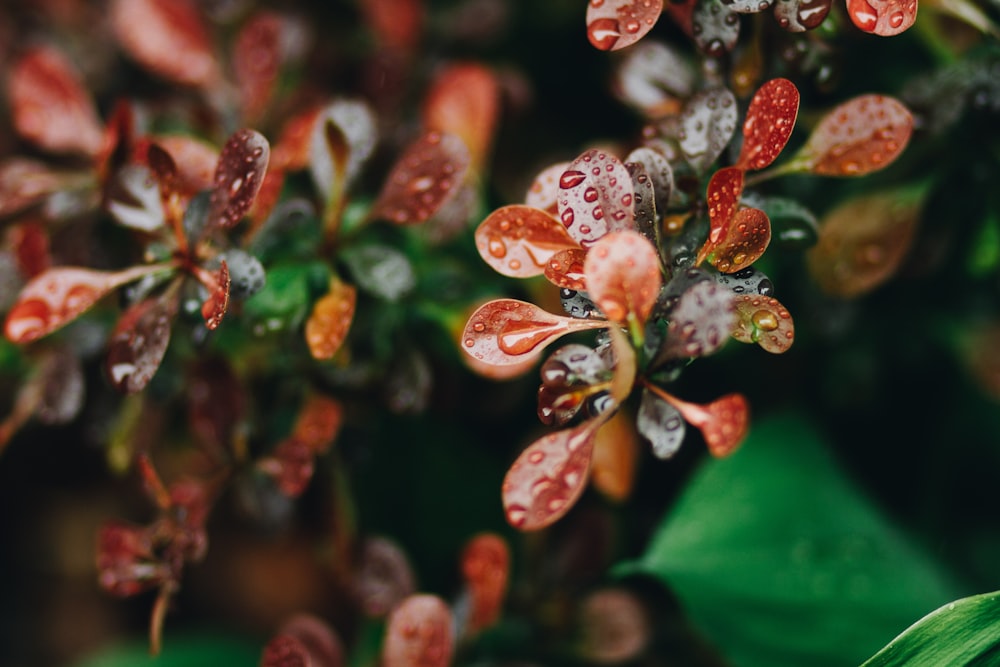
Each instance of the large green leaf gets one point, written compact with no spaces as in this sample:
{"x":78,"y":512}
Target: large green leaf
{"x":180,"y":651}
{"x":780,"y":560}
{"x":964,"y":632}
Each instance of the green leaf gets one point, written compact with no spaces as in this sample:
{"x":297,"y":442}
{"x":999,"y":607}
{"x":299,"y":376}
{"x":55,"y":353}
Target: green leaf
{"x":963,"y":632}
{"x":284,"y":302}
{"x":181,"y":651}
{"x":780,"y":560}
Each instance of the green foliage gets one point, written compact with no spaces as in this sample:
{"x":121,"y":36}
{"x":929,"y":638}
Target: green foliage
{"x":215,"y":650}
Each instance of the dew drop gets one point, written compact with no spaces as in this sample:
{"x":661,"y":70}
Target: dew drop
{"x":765,"y":320}
{"x":590,"y":195}
{"x":571,"y":179}
{"x":497,"y":247}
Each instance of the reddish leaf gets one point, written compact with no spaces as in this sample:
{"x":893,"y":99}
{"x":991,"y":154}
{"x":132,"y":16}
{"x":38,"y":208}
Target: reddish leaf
{"x":384,"y":577}
{"x":747,"y":237}
{"x":622,"y":272}
{"x":801,"y":15}
{"x":614,"y":625}
{"x":419,"y":634}
{"x":51,"y":106}
{"x":139,"y":342}
{"x":215,"y":306}
{"x":861,"y":135}
{"x":506,"y":332}
{"x":763,"y":320}
{"x":548,"y":477}
{"x":216,"y":403}
{"x":321,"y":642}
{"x":882,"y":17}
{"x":723,"y":197}
{"x":464,"y":100}
{"x":715,"y":27}
{"x":332,"y":314}
{"x":58,"y":296}
{"x":615,"y":24}
{"x":544,"y":190}
{"x":119,"y":137}
{"x":29,"y":241}
{"x":862,"y":242}
{"x":595,"y":197}
{"x":291,"y":465}
{"x":616,"y":455}
{"x":425,"y":177}
{"x":238,"y":177}
{"x":724,"y":422}
{"x":570,"y":376}
{"x":125,"y":561}
{"x":285,"y":651}
{"x":398,"y":24}
{"x":195,"y":161}
{"x":257,"y":55}
{"x":485,"y":563}
{"x":518,"y":241}
{"x":25,"y":183}
{"x":167,"y":37}
{"x":700,"y":322}
{"x":769,"y":123}
{"x":291,"y":151}
{"x":318,"y":423}
{"x":565,"y":269}
{"x":707,"y":125}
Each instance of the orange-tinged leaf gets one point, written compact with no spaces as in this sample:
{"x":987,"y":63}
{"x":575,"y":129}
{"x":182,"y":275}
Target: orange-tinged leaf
{"x":332,"y":314}
{"x":723,"y":195}
{"x":622,"y":272}
{"x":419,"y":633}
{"x":882,"y":17}
{"x":291,"y":151}
{"x":763,"y":320}
{"x":616,"y":24}
{"x":518,"y":241}
{"x":257,"y":56}
{"x":544,"y":190}
{"x":548,"y":477}
{"x":745,"y":240}
{"x":616,"y":454}
{"x":769,"y":123}
{"x":318,"y":422}
{"x":428,"y":174}
{"x":397,"y":23}
{"x":862,"y":135}
{"x":595,"y":197}
{"x":50,"y":105}
{"x":58,"y":296}
{"x":195,"y":161}
{"x":464,"y":100}
{"x":485,"y":563}
{"x":506,"y":332}
{"x":215,"y":306}
{"x":565,"y":269}
{"x":724,"y":422}
{"x":29,"y":242}
{"x":238,"y":177}
{"x":167,"y":37}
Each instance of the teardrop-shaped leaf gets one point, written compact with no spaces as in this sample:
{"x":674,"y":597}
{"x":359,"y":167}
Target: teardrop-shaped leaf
{"x":660,"y":175}
{"x":715,"y":27}
{"x":615,"y":24}
{"x":133,"y":199}
{"x":507,"y":332}
{"x":380,"y":270}
{"x":661,"y":424}
{"x":139,"y":342}
{"x":50,"y":105}
{"x":763,"y":320}
{"x":518,"y":241}
{"x":464,"y":100}
{"x":622,"y":272}
{"x":801,"y":15}
{"x":769,"y":123}
{"x":577,"y":304}
{"x":700,"y":322}
{"x":724,"y":422}
{"x":570,"y":376}
{"x":485,"y":562}
{"x":426,"y":176}
{"x":861,"y":135}
{"x":616,"y":455}
{"x":544,"y":190}
{"x":645,"y":204}
{"x":332,"y":314}
{"x":595,"y":197}
{"x":549,"y":476}
{"x":25,"y":183}
{"x":60,"y":295}
{"x":723,"y":197}
{"x":29,"y":243}
{"x":215,"y":306}
{"x":655,"y":77}
{"x":256,"y":60}
{"x":419,"y":633}
{"x":882,"y":17}
{"x":746,"y":239}
{"x":195,"y":161}
{"x":355,"y":123}
{"x":863,"y":241}
{"x":747,"y":6}
{"x":565,"y":269}
{"x":707,"y":124}
{"x":167,"y":37}
{"x":384,"y":577}
{"x":238,"y":177}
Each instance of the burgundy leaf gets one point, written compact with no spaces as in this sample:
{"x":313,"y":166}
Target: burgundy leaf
{"x":519,"y":241}
{"x":384,"y":577}
{"x":801,"y":15}
{"x":398,"y":24}
{"x":615,"y":24}
{"x":723,"y":197}
{"x":506,"y":332}
{"x":769,"y":123}
{"x":139,"y":342}
{"x":548,"y":477}
{"x":29,"y":241}
{"x":285,"y":651}
{"x":464,"y":100}
{"x":485,"y":562}
{"x":747,"y":237}
{"x":565,"y":269}
{"x":321,"y":642}
{"x":51,"y":106}
{"x":707,"y":124}
{"x":330,"y":320}
{"x":426,"y":176}
{"x":544,"y":191}
{"x":700,"y":322}
{"x":622,"y":272}
{"x":194,"y":160}
{"x":216,"y":402}
{"x":595,"y":197}
{"x":238,"y":177}
{"x":763,"y":320}
{"x":215,"y":306}
{"x":882,"y":17}
{"x":419,"y":633}
{"x":257,"y":56}
{"x":715,"y":27}
{"x":661,"y":424}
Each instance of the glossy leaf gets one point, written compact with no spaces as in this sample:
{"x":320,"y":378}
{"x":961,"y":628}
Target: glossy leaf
{"x":661,"y":424}
{"x":214,"y":307}
{"x":660,"y":175}
{"x":419,"y":633}
{"x":25,"y":183}
{"x":748,"y":281}
{"x":616,"y":457}
{"x":518,"y":241}
{"x":861,"y":135}
{"x":549,"y":476}
{"x":769,"y":123}
{"x":58,"y":296}
{"x":384,"y":577}
{"x":801,"y":15}
{"x":622,"y":272}
{"x":863,"y":242}
{"x":139,"y":342}
{"x":485,"y":563}
{"x":425,"y":177}
{"x":882,"y":17}
{"x":167,"y":37}
{"x":615,"y":626}
{"x":565,"y":269}
{"x":544,"y":190}
{"x":724,"y":422}
{"x":570,"y":376}
{"x":355,"y":123}
{"x":506,"y":332}
{"x":715,"y":27}
{"x":330,"y":320}
{"x":464,"y":100}
{"x":246,"y":273}
{"x":595,"y":197}
{"x":763,"y":320}
{"x":700,"y":322}
{"x":616,"y":24}
{"x":133,"y":199}
{"x":707,"y":124}
{"x":747,"y":6}
{"x":51,"y":107}
{"x":238,"y":177}
{"x":646,"y":222}
{"x":654,"y":78}
{"x":577,"y":304}
{"x":257,"y":57}
{"x":747,"y":237}
{"x":380,"y":270}
{"x":723,"y":198}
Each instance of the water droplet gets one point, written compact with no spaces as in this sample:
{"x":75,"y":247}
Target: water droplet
{"x":571,"y":179}
{"x":604,"y":33}
{"x":590,"y":195}
{"x":497,"y":247}
{"x":765,"y":320}
{"x":896,"y":19}
{"x":567,"y":217}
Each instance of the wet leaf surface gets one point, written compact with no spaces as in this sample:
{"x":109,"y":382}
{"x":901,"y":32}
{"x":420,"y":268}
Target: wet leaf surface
{"x":723,"y":198}
{"x":746,"y":239}
{"x":616,"y":24}
{"x":257,"y":56}
{"x":661,"y":424}
{"x":565,"y":269}
{"x":715,"y":27}
{"x":215,"y":306}
{"x":882,"y":17}
{"x":485,"y":563}
{"x":747,"y":6}
{"x":655,"y":78}
{"x":246,"y":273}
{"x":330,"y":320}
{"x":660,"y":174}
{"x":419,"y":633}
{"x":139,"y":342}
{"x":544,"y":190}
{"x":769,"y":123}
{"x":622,"y":272}
{"x":595,"y":197}
{"x":570,"y":376}
{"x":518,"y":241}
{"x":426,"y":176}
{"x":238,"y":177}
{"x":707,"y":124}
{"x":724,"y":422}
{"x":747,"y":281}
{"x":801,"y":15}
{"x":763,"y":320}
{"x":700,"y":322}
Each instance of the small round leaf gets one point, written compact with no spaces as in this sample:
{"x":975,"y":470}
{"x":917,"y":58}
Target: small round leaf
{"x":769,"y":123}
{"x":615,"y":24}
{"x":518,"y":241}
{"x":622,"y":273}
{"x":428,"y":174}
{"x":595,"y":197}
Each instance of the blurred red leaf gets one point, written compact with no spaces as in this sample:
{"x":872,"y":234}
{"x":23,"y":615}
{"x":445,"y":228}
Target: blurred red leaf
{"x":384,"y":577}
{"x":518,"y":241}
{"x":419,"y":633}
{"x":616,"y":455}
{"x":464,"y":100}
{"x":485,"y":563}
{"x":428,"y":174}
{"x":30,"y":243}
{"x":882,"y":17}
{"x":285,"y":651}
{"x":616,"y":24}
{"x":318,"y":422}
{"x":330,"y":320}
{"x":139,"y":342}
{"x":195,"y":161}
{"x":215,"y":306}
{"x":291,"y":151}
{"x":256,"y":59}
{"x":25,"y":183}
{"x":125,"y":562}
{"x":238,"y":177}
{"x":397,"y":23}
{"x":622,"y":273}
{"x":595,"y":197}
{"x":769,"y":123}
